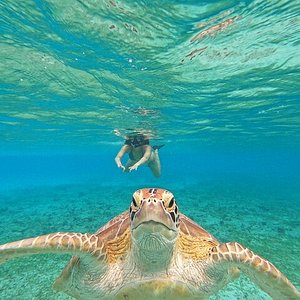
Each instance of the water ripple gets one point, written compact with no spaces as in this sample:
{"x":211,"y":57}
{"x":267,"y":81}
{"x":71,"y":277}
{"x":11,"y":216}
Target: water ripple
{"x":73,"y":71}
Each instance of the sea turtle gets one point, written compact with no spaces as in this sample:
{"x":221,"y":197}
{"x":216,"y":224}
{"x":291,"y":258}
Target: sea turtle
{"x":151,"y":251}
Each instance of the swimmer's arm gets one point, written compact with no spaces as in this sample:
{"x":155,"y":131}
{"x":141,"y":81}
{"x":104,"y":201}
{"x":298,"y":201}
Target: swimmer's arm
{"x":119,"y":156}
{"x":144,"y":159}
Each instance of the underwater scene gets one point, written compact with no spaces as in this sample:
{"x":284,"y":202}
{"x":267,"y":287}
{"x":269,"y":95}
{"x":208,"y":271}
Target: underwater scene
{"x":214,"y":84}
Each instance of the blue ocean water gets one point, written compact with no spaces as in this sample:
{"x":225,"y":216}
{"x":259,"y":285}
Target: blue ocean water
{"x":216,"y":82}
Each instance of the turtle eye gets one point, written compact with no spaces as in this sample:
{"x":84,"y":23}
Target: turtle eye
{"x":134,"y":202}
{"x":171,"y":203}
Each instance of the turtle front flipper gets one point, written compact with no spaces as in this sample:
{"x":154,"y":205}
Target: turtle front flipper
{"x":60,"y":242}
{"x":263,"y":273}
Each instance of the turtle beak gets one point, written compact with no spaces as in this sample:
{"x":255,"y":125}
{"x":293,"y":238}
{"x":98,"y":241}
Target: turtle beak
{"x":152,"y":210}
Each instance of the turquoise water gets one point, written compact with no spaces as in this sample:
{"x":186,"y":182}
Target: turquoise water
{"x":224,"y":101}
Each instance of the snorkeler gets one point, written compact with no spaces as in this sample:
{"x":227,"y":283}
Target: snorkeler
{"x":140,"y":152}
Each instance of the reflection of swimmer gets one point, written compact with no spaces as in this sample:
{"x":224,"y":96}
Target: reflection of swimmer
{"x":140,"y":152}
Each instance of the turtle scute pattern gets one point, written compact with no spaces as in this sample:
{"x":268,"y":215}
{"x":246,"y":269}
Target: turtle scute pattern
{"x":151,"y":251}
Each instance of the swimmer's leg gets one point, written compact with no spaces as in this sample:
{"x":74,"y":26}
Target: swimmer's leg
{"x":154,"y":164}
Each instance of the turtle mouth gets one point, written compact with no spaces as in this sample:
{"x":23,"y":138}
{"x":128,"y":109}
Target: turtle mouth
{"x":153,"y":224}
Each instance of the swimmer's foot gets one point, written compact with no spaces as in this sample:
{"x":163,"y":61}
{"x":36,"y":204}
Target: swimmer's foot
{"x":157,"y":147}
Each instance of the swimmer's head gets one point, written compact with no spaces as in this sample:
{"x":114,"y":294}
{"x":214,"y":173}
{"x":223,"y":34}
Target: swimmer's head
{"x":137,"y":140}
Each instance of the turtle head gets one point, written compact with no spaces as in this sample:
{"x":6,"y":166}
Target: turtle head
{"x":154,"y":227}
{"x":154,"y":205}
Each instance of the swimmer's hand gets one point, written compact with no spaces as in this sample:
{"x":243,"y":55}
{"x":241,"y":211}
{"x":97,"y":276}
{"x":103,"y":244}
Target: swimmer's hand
{"x":134,"y":167}
{"x":121,"y":167}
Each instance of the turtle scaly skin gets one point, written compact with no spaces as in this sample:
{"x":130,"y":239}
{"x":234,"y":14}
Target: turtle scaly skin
{"x":151,"y":252}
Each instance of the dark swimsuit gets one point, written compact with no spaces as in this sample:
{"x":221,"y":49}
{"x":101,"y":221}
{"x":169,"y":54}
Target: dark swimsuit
{"x":135,"y":142}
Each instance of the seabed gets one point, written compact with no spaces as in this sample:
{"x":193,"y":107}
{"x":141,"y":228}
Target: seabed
{"x":252,"y":216}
